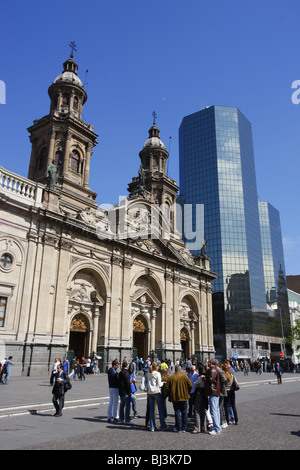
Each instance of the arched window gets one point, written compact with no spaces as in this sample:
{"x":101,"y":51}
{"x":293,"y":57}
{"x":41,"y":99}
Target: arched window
{"x":42,"y":159}
{"x":66,"y":99}
{"x":75,"y":102}
{"x":75,"y":163}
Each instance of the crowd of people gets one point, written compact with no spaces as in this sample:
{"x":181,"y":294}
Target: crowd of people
{"x":203,"y":394}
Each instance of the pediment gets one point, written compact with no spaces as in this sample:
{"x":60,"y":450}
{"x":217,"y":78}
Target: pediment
{"x":144,"y":296}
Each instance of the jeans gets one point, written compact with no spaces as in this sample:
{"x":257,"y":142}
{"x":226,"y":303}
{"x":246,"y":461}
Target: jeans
{"x":156,"y":397}
{"x":181,"y":417}
{"x":113,"y":403}
{"x":230,"y":403}
{"x":215,"y":412}
{"x":125,"y":406}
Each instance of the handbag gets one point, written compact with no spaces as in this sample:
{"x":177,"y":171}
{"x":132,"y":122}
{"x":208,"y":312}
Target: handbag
{"x":235,"y":386}
{"x":67,"y":385}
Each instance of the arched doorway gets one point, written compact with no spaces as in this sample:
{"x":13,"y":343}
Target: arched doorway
{"x":184,"y":343}
{"x":86,"y":292}
{"x":140,"y":336}
{"x":78,"y":341}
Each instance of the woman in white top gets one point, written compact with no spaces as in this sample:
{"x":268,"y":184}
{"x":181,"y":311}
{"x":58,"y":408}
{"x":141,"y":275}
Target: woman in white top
{"x":154,"y":384}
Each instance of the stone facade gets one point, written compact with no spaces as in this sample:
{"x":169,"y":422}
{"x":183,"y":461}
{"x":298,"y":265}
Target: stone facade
{"x":75,"y":278}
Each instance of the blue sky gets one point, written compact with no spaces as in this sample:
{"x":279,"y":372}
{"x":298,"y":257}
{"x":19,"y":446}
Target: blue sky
{"x":173,"y":57}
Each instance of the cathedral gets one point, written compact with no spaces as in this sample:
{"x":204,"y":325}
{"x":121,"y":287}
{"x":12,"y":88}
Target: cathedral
{"x":79,"y":280}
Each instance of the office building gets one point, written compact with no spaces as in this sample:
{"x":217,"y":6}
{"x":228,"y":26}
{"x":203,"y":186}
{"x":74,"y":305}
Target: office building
{"x":217,"y":169}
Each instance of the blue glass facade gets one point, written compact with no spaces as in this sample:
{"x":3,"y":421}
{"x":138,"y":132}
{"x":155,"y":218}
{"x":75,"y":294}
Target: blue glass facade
{"x":217,"y":169}
{"x":273,"y":258}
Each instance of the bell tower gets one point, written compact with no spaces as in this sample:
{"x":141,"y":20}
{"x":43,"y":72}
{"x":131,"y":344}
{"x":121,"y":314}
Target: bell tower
{"x":63,"y":139}
{"x":153,"y":182}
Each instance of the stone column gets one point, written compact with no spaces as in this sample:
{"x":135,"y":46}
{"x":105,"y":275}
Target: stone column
{"x":33,"y":157}
{"x":114,"y":328}
{"x":204,"y":313}
{"x":67,"y":154}
{"x":87,"y":166}
{"x":153,"y":320}
{"x":95,"y":329}
{"x":51,"y":147}
{"x":126,"y":321}
{"x":176,"y":314}
{"x":192,"y":350}
{"x":168,"y":333}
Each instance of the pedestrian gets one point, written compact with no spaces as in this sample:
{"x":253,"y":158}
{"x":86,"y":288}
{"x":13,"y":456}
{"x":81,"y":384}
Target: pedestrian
{"x":6,"y":369}
{"x":230,"y":398}
{"x":163,"y":365}
{"x":133,"y":398}
{"x":72,"y":368}
{"x":193,"y":376}
{"x":125,"y":394}
{"x":178,"y":388}
{"x":95,"y":366}
{"x":82,"y":368}
{"x":223,"y":394}
{"x":147,"y":365}
{"x":200,"y":402}
{"x":66,"y":365}
{"x":154,"y":385}
{"x":88,"y":366}
{"x":77,"y":370}
{"x":58,"y":391}
{"x":133,"y":368}
{"x":188,"y":366}
{"x":212,"y":389}
{"x":56,"y":362}
{"x":278,"y":373}
{"x":113,"y":387}
{"x":164,"y":377}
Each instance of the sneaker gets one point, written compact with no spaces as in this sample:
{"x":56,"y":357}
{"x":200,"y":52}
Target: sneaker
{"x":224,"y":426}
{"x":129,"y":422}
{"x":214,"y":433}
{"x":152,"y":429}
{"x":165,"y":428}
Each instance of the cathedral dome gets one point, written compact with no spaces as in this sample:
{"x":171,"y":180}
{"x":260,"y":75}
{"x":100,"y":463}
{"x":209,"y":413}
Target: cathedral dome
{"x":154,"y":139}
{"x":68,"y":77}
{"x":154,"y":142}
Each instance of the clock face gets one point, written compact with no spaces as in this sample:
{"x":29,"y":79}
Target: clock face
{"x":6,"y":261}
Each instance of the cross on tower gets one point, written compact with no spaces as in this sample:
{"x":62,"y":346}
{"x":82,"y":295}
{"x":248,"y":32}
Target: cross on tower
{"x":154,"y":117}
{"x":73,"y":47}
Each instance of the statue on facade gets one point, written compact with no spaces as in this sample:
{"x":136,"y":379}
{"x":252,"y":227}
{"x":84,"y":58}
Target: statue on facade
{"x":52,"y":175}
{"x":142,"y":176}
{"x":204,"y":248}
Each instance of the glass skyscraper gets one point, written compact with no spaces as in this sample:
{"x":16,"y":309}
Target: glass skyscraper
{"x":217,"y":169}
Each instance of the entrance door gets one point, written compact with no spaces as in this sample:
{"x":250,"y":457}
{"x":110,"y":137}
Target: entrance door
{"x":78,"y":340}
{"x":140,"y":336}
{"x":184,"y":343}
{"x":77,"y":343}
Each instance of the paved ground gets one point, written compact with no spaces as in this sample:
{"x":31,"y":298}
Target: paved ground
{"x":269,"y":419}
